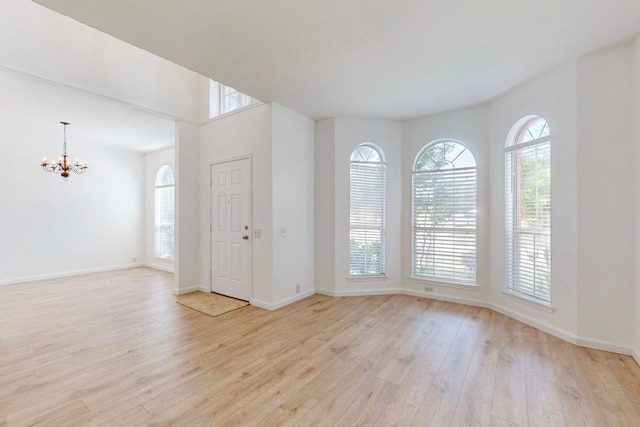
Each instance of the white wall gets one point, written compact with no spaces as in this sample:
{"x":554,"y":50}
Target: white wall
{"x":152,"y":163}
{"x":552,"y":96}
{"x":246,"y":132}
{"x":50,"y":227}
{"x":293,"y":205}
{"x":339,"y":137}
{"x":606,"y":307}
{"x":469,"y":126}
{"x":325,"y":204}
{"x":187,"y":232}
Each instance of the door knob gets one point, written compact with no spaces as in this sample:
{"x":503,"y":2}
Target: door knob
{"x":245,"y":237}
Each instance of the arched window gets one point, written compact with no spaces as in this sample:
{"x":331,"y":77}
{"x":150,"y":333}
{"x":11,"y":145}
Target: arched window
{"x":368,"y":178}
{"x":164,"y":212}
{"x":444,"y":213}
{"x":528,"y":208}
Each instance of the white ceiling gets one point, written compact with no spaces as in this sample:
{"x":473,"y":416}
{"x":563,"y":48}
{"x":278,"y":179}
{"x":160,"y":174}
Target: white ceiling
{"x":365,"y":58}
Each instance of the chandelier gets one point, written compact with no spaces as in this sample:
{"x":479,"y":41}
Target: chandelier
{"x":63,"y":166}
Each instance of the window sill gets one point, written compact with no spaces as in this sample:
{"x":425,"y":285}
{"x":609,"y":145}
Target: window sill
{"x":528,"y":300}
{"x":444,"y":283}
{"x":367,"y":278}
{"x":232,"y":112}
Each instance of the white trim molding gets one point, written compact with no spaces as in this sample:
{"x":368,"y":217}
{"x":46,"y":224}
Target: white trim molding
{"x":604,"y":346}
{"x":444,"y":283}
{"x":196,"y":288}
{"x":359,"y":292}
{"x":274,"y":306}
{"x":544,"y":327}
{"x":168,"y":269}
{"x":368,"y":278}
{"x":253,"y":104}
{"x":447,"y":298}
{"x":69,"y":274}
{"x":528,"y":300}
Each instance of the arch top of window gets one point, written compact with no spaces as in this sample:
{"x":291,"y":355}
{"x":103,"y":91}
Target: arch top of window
{"x":529,"y":130}
{"x":444,"y":154}
{"x":164,"y":177}
{"x":367,"y":152}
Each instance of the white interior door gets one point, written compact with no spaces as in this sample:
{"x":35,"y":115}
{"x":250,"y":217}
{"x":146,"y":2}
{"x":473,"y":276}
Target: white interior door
{"x":231,"y":228}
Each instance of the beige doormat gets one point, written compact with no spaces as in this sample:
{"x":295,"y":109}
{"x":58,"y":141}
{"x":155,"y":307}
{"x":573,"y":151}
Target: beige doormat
{"x":210,"y":303}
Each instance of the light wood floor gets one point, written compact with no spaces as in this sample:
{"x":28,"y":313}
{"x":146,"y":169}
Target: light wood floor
{"x":115,"y":349}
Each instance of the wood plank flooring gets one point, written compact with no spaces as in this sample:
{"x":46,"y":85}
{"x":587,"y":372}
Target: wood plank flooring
{"x":115,"y":349}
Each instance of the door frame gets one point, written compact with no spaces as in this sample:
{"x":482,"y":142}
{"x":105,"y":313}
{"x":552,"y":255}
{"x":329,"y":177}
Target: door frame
{"x":211,"y":164}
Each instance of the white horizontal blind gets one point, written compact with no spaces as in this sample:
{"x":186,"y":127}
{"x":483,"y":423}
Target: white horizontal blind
{"x":444,"y":224}
{"x":528,"y":218}
{"x":367,"y":218}
{"x":164,"y":221}
{"x":164,"y":213}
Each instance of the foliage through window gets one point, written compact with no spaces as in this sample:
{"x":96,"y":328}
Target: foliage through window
{"x":528,"y":210}
{"x":368,"y":174}
{"x":164,"y":213}
{"x":444,"y":213}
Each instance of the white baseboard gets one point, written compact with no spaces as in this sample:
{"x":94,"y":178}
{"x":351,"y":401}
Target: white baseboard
{"x":195,"y":288}
{"x":636,"y":355}
{"x":282,"y":303}
{"x":447,"y":298}
{"x":69,"y":274}
{"x":326,"y":292}
{"x":604,"y":346}
{"x":359,"y":292}
{"x":544,"y":327}
{"x":159,"y":267}
{"x":565,"y":335}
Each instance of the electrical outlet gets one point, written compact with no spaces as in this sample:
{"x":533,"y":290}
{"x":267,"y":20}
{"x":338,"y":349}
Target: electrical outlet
{"x":297,"y":288}
{"x":428,"y":289}
{"x":134,"y":260}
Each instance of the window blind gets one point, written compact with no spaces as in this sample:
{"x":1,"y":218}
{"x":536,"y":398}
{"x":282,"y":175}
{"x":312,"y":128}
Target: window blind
{"x":444,"y":224}
{"x":367,"y":218}
{"x":164,"y":221}
{"x":528,"y":219}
